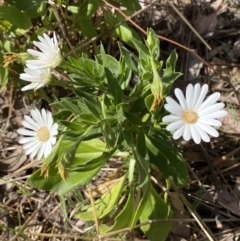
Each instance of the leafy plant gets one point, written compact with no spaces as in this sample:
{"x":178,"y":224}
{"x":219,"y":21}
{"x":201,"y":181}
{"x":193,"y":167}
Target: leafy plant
{"x":110,"y":117}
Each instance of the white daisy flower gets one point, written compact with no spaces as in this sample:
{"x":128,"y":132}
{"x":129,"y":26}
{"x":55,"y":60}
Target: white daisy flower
{"x":193,"y":117}
{"x":41,"y":133}
{"x":48,"y":57}
{"x":38,"y":78}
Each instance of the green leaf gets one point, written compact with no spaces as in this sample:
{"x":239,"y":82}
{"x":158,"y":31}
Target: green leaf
{"x":105,"y":204}
{"x":131,"y":5}
{"x":55,"y":183}
{"x":120,"y":220}
{"x":114,"y":87}
{"x":144,"y":183}
{"x":75,"y":62}
{"x":148,"y":101}
{"x":124,"y":32}
{"x":131,"y":170}
{"x":62,"y":114}
{"x":33,"y":8}
{"x":153,"y":44}
{"x":108,"y":134}
{"x":113,"y":65}
{"x":141,"y":48}
{"x":93,"y":110}
{"x":127,"y":55}
{"x":92,"y":7}
{"x":73,"y":125}
{"x":87,"y":27}
{"x":71,"y":106}
{"x":170,"y":63}
{"x":155,"y":208}
{"x":15,"y":17}
{"x":3,"y":75}
{"x":109,"y":62}
{"x":141,"y":145}
{"x":126,"y":78}
{"x":86,"y":152}
{"x":134,"y":119}
{"x":87,"y":161}
{"x":88,"y":119}
{"x":169,"y":160}
{"x":168,"y":81}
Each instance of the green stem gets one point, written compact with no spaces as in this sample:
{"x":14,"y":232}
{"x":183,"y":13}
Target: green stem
{"x":44,"y":95}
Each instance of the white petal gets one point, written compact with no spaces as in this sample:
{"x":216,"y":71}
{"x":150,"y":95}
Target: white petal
{"x":41,"y":151}
{"x":217,"y":114}
{"x":174,"y":109}
{"x":25,"y":140}
{"x":211,"y":109}
{"x":33,"y":150}
{"x":170,"y":118}
{"x":54,"y":128}
{"x":189,"y":96}
{"x":54,"y":132}
{"x":29,"y":126}
{"x":195,"y":134}
{"x":201,"y":97}
{"x":55,"y":41}
{"x":49,"y":120}
{"x":207,"y":128}
{"x":25,"y":132}
{"x":53,"y":140}
{"x":33,"y":52}
{"x":37,"y":117}
{"x":32,"y":122}
{"x":181,"y":99}
{"x":47,"y":149}
{"x":175,"y":125}
{"x":29,"y":87}
{"x":42,"y":47}
{"x":203,"y":134}
{"x":209,"y":121}
{"x":209,"y":101}
{"x":171,"y":101}
{"x":196,"y":94}
{"x":44,"y":117}
{"x":31,"y":144}
{"x":186,"y":133}
{"x":179,"y":132}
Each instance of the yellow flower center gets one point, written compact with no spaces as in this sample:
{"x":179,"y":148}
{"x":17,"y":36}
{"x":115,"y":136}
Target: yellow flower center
{"x":190,"y":116}
{"x":43,"y":134}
